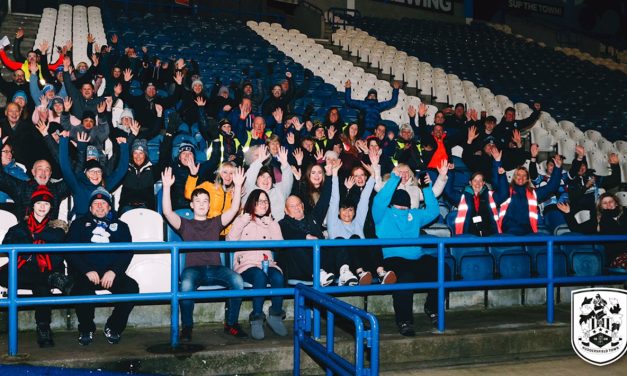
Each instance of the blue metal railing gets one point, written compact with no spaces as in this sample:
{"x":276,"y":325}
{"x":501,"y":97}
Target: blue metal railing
{"x":13,"y":302}
{"x":333,"y":363}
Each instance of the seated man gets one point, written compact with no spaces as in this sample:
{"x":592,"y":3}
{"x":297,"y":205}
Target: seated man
{"x":205,"y":268}
{"x":100,"y":269}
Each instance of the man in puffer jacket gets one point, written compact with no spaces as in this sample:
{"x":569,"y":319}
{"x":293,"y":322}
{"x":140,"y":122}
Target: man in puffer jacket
{"x":371,"y":105}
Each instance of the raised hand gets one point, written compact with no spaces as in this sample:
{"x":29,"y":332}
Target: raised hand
{"x":411,"y":111}
{"x":135,"y":127}
{"x":67,"y":104}
{"x":296,"y":172}
{"x":319,"y":155}
{"x":95,"y":59}
{"x":472,"y":134}
{"x":374,"y":158}
{"x":90,"y":38}
{"x":82,"y":137}
{"x":109,"y":102}
{"x":167,"y":178}
{"x":278,"y":115}
{"x":558,"y":161}
{"x":564,"y":207}
{"x":43,"y":101}
{"x":42,"y":127}
{"x":422,"y":110}
{"x":331,"y":132}
{"x":19,"y":34}
{"x":347,"y":84}
{"x":290,"y":138}
{"x":178,"y":77}
{"x":193,"y":167}
{"x":239,"y":177}
{"x":120,"y":140}
{"x":200,"y":101}
{"x":297,"y":124}
{"x":443,"y":167}
{"x":43,"y":47}
{"x":114,"y":38}
{"x":283,"y":156}
{"x":335,"y":167}
{"x":298,"y":155}
{"x":534,"y":149}
{"x":516,"y":138}
{"x":580,"y":151}
{"x":613,"y":158}
{"x":128,"y":74}
{"x":537,"y":106}
{"x":369,"y":168}
{"x":396,"y":84}
{"x":159,"y":110}
{"x":101,"y":107}
{"x":349,"y":182}
{"x":262,"y":153}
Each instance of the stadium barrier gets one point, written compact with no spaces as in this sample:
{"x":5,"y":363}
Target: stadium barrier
{"x":13,"y":302}
{"x":333,"y":363}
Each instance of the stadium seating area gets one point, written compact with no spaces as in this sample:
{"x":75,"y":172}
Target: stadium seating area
{"x":591,"y":96}
{"x":478,"y":66}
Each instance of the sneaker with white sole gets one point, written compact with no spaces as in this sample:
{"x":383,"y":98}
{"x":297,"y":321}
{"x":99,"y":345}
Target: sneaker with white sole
{"x":387,"y":277}
{"x":347,"y":278}
{"x":326,"y":278}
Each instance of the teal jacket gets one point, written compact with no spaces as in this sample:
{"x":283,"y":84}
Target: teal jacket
{"x":392,"y":223}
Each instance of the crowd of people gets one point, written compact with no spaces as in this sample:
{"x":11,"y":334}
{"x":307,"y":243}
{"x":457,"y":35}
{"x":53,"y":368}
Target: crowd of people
{"x":250,"y":168}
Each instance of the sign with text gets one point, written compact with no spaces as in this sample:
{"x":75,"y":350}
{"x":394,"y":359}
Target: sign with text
{"x":541,"y":8}
{"x":442,"y":6}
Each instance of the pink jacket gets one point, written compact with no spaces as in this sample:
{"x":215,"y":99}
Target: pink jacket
{"x":35,"y":118}
{"x":264,"y":228}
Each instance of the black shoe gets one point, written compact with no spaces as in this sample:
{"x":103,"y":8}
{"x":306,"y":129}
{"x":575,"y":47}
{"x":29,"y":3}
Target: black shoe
{"x":235,"y":330}
{"x":112,"y":336}
{"x":62,"y":282}
{"x":44,"y":335}
{"x":85,"y":338}
{"x":432,"y":316}
{"x":186,"y":334}
{"x":406,"y":329}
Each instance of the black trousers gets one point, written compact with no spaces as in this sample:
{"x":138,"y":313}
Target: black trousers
{"x":122,"y":284}
{"x":30,"y":277}
{"x":425,"y":269}
{"x":367,"y":258}
{"x":297,"y":263}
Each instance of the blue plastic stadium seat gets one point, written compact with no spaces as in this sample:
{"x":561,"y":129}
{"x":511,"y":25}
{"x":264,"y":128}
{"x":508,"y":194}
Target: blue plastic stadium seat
{"x":511,"y":260}
{"x":584,"y":260}
{"x":474,"y":262}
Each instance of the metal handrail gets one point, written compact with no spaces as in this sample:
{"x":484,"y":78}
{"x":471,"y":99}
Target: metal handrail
{"x":345,"y":16}
{"x":333,"y":363}
{"x":13,"y":301}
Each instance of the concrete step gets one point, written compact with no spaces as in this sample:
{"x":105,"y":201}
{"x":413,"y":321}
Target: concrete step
{"x":472,"y":337}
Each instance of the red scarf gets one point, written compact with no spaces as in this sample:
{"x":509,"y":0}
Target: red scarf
{"x":439,"y":154}
{"x":43,"y":260}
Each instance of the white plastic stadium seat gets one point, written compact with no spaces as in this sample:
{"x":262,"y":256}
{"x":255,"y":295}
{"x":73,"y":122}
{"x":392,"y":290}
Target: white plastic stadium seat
{"x":150,"y":270}
{"x":622,"y":197}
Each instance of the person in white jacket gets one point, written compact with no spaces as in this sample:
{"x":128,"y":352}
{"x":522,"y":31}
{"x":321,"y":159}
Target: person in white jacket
{"x":258,"y":176}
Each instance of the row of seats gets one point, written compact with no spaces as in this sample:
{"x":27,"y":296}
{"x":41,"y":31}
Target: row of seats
{"x":548,"y":133}
{"x":564,"y":84}
{"x":71,"y":23}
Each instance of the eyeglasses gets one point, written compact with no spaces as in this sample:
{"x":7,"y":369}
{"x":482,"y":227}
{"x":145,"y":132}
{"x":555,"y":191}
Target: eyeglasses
{"x":7,"y":151}
{"x":263,"y":202}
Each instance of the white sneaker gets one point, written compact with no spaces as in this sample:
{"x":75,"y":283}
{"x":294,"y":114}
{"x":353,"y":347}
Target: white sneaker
{"x":326,"y":278}
{"x":347,"y":278}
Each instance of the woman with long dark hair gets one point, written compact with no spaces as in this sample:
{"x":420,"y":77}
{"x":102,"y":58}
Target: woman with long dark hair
{"x":258,"y":267}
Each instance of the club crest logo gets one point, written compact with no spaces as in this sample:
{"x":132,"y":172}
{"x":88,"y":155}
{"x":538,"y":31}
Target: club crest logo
{"x":598,"y":328}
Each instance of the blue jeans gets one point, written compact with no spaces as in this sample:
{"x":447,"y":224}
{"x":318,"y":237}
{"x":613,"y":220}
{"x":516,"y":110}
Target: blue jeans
{"x":259,"y":280}
{"x":195,"y":276}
